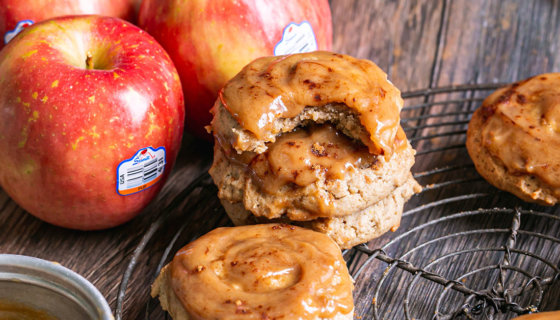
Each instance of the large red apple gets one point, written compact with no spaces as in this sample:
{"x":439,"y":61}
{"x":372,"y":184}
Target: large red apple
{"x":18,"y":14}
{"x":91,"y":120}
{"x":211,"y":40}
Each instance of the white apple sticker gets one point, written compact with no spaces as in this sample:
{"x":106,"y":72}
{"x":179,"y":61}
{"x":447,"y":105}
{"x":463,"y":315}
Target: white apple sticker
{"x":12,"y":33}
{"x":141,"y":171}
{"x":296,"y":38}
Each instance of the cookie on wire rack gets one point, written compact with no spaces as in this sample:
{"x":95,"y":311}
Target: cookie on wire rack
{"x":313,"y":139}
{"x":514,"y":139}
{"x":272,"y":271}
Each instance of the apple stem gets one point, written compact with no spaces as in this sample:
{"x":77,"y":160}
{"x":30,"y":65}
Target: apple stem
{"x":89,"y":61}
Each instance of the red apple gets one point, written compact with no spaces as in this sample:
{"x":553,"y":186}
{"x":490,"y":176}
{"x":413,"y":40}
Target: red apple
{"x":211,"y":40}
{"x":91,"y":120}
{"x":17,"y":14}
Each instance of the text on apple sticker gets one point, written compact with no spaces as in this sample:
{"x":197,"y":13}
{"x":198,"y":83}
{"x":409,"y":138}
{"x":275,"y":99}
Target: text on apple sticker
{"x":141,"y":171}
{"x":296,"y":38}
{"x":12,"y":33}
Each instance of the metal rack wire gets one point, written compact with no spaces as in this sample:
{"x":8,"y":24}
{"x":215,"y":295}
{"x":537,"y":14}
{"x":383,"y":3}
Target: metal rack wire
{"x":464,"y":249}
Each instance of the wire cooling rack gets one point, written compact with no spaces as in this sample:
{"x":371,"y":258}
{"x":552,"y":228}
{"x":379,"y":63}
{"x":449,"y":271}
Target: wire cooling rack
{"x":464,"y":250}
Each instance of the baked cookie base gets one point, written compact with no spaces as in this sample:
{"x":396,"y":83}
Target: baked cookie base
{"x":346,"y":231}
{"x":167,"y":298}
{"x":169,"y":301}
{"x":525,"y":186}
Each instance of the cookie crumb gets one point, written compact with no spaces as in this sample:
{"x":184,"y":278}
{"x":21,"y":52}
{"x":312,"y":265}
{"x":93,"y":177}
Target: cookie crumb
{"x":318,"y":150}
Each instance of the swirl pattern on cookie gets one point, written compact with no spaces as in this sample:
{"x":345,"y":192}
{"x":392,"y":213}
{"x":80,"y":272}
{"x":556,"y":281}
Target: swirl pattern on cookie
{"x":270,"y":271}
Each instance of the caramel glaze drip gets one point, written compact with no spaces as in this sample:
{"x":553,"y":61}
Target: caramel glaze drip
{"x":281,"y":87}
{"x":523,"y":127}
{"x":307,"y":155}
{"x":269,"y":271}
{"x":304,"y":156}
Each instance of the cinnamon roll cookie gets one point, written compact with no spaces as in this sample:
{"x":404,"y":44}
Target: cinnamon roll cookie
{"x":313,"y":139}
{"x":514,"y":139}
{"x":271,"y":271}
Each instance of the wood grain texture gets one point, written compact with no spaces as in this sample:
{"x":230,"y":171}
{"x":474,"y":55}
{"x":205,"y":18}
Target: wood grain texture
{"x":423,"y":43}
{"x":498,"y":41}
{"x":399,"y":36}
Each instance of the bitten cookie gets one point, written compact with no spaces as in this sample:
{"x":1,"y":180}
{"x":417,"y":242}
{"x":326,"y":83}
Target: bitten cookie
{"x":312,"y":139}
{"x":514,"y":139}
{"x":272,"y":271}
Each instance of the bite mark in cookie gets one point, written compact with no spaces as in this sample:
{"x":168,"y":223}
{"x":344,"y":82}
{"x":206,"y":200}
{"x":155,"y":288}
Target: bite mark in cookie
{"x":310,"y":136}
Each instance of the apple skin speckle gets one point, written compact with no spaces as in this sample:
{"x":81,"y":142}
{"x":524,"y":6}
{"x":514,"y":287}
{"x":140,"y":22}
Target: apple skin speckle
{"x":67,"y":128}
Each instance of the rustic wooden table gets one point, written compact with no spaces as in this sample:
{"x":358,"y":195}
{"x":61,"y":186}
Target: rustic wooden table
{"x":421,"y":44}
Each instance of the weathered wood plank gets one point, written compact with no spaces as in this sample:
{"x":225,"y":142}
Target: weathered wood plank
{"x":399,"y":36}
{"x":499,"y":41}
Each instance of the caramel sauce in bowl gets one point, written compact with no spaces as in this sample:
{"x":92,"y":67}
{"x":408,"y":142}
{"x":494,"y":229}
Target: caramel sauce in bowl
{"x":16,"y":311}
{"x":40,"y":289}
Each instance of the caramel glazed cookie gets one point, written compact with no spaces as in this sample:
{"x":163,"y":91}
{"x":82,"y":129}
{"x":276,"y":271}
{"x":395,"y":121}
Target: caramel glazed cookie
{"x":514,"y":139}
{"x":258,"y":272}
{"x":313,"y":139}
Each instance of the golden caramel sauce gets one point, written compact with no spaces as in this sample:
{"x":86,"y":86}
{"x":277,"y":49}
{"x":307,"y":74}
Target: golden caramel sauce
{"x":261,"y":268}
{"x":268,"y":271}
{"x":307,"y":155}
{"x":553,"y":315}
{"x":10,"y":310}
{"x":281,"y":87}
{"x":523,"y":127}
